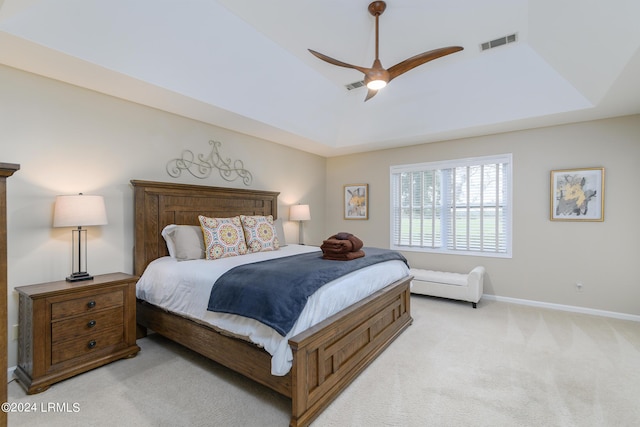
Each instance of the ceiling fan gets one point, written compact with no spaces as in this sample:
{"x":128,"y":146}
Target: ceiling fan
{"x":377,"y":77}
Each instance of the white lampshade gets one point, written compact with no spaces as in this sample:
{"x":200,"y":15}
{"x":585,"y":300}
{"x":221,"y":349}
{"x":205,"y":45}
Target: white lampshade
{"x":299,"y":213}
{"x":79,"y":211}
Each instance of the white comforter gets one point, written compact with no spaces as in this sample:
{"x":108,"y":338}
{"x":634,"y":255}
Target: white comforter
{"x":184,"y":287}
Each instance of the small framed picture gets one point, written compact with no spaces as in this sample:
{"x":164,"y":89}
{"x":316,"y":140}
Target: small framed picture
{"x":356,"y":201}
{"x":577,"y":194}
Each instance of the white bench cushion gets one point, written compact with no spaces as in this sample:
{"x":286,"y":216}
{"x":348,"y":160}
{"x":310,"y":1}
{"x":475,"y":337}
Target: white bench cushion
{"x":440,"y":277}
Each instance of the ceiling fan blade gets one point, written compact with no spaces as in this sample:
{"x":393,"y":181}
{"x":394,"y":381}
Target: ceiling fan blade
{"x":414,"y":61}
{"x":370,"y":94}
{"x":338,"y":63}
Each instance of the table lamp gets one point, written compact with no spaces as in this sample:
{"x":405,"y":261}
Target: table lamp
{"x":79,"y":211}
{"x":299,"y":213}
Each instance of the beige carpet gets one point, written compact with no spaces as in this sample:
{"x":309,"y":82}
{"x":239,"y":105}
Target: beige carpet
{"x":498,"y":365}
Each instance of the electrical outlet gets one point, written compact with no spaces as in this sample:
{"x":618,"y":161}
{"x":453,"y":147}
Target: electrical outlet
{"x":15,"y":332}
{"x":579,"y":287}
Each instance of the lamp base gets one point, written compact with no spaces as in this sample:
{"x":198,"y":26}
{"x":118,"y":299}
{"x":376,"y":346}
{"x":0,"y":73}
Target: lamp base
{"x":79,"y":276}
{"x":300,"y":235}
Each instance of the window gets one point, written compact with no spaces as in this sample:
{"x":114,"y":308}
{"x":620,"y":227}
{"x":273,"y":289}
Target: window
{"x":459,"y":206}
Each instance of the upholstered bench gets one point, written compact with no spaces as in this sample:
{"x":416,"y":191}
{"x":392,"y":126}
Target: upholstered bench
{"x":463,"y":287}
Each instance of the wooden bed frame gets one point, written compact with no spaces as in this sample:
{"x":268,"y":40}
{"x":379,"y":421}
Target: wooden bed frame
{"x":326,"y":357}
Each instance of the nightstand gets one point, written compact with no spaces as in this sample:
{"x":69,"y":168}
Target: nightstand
{"x":69,"y":328}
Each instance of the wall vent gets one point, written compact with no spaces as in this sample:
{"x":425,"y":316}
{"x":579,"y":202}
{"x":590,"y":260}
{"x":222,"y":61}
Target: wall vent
{"x":499,"y":42}
{"x":354,"y":85}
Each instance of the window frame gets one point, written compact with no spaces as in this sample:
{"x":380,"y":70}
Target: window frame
{"x":449,"y":164}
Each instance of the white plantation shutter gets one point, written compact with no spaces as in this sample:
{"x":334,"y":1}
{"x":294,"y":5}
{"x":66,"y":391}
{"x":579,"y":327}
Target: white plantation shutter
{"x":458,"y":206}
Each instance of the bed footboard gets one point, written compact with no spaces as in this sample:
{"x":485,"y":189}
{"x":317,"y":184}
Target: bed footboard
{"x":328,"y":356}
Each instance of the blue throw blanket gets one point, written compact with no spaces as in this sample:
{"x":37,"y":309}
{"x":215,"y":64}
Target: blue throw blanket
{"x":275,"y":291}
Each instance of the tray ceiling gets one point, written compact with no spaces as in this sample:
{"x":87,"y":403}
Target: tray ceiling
{"x":244,"y":64}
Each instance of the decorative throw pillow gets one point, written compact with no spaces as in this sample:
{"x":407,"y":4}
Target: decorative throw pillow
{"x":260,"y":233}
{"x":223,"y":237}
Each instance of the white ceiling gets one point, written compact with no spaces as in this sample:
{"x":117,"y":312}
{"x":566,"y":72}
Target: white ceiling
{"x":244,"y":64}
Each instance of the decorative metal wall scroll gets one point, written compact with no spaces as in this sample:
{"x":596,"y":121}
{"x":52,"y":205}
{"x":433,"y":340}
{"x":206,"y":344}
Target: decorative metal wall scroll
{"x":203,"y":166}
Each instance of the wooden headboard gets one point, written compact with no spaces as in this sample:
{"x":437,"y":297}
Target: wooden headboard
{"x":158,"y":204}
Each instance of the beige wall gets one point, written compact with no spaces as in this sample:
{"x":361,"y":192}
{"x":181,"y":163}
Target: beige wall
{"x":69,"y":140}
{"x":548,"y":257}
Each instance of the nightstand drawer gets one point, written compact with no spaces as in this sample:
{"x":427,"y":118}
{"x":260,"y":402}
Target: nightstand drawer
{"x":60,"y":310}
{"x":90,"y":323}
{"x":66,"y":350}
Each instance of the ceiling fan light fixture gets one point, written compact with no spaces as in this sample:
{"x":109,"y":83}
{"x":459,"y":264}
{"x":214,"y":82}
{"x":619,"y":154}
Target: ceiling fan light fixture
{"x":376,"y":84}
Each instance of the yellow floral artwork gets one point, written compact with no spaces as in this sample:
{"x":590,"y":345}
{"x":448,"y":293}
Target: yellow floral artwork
{"x":577,"y":194}
{"x":356,"y":201}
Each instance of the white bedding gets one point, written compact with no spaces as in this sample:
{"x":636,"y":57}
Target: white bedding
{"x":184,"y":287}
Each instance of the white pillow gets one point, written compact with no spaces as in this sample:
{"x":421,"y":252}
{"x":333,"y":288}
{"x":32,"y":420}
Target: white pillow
{"x":168,"y":238}
{"x":184,"y":242}
{"x":277,"y":223}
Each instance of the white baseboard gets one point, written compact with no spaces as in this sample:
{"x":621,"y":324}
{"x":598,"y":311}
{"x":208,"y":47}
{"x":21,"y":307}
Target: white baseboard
{"x":563,"y":307}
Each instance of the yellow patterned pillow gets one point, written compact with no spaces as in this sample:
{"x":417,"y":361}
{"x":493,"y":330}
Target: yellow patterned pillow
{"x":260,"y":233}
{"x":223,"y":237}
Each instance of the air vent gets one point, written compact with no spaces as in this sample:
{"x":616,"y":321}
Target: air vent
{"x":354,"y":85}
{"x":499,"y":42}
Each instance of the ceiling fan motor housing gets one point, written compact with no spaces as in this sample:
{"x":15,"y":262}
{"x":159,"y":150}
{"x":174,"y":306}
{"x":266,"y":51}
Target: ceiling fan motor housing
{"x":376,"y":73}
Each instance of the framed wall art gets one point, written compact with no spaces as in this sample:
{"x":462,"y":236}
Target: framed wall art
{"x":356,"y":201}
{"x":577,"y":194}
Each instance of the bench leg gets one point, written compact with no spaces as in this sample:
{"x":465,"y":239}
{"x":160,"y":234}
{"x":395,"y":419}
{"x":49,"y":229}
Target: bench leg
{"x":474,"y":305}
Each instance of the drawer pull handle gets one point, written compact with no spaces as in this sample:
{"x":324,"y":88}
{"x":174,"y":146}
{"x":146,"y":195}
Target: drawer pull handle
{"x":91,"y":323}
{"x":92,"y":344}
{"x":91,"y":304}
